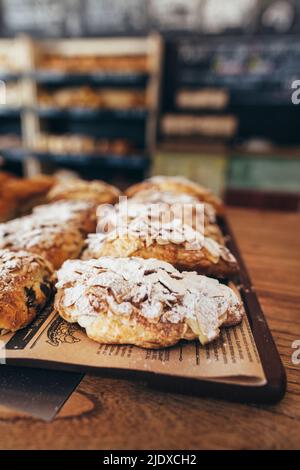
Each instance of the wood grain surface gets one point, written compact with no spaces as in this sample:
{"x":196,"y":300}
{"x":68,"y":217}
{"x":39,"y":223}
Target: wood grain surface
{"x":118,"y":414}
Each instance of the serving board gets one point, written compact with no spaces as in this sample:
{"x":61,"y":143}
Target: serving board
{"x":243,"y":365}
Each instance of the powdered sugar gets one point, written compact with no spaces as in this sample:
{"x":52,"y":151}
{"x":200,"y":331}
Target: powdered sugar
{"x":63,"y":211}
{"x":148,"y":196}
{"x":150,"y":288}
{"x":14,"y":265}
{"x":152,"y":224}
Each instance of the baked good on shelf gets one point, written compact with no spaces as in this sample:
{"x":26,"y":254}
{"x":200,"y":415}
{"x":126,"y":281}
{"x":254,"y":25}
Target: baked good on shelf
{"x":114,"y":147}
{"x":8,"y":209}
{"x":73,"y":97}
{"x":74,"y":144}
{"x":87,"y":63}
{"x":210,"y":126}
{"x":202,"y":98}
{"x":54,"y":242}
{"x":18,"y":196}
{"x":8,"y":206}
{"x":123,"y":99}
{"x":8,"y":62}
{"x":4,"y":177}
{"x":147,"y":303}
{"x":163,"y":235}
{"x":27,"y":192}
{"x":91,"y":98}
{"x":10,"y":141}
{"x":23,"y":189}
{"x":81,"y":214}
{"x":65,"y":144}
{"x":178,"y":185}
{"x":26,"y":285}
{"x":13,"y":94}
{"x":95,"y":191}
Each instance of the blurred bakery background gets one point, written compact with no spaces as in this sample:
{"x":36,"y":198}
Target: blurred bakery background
{"x":121,"y":89}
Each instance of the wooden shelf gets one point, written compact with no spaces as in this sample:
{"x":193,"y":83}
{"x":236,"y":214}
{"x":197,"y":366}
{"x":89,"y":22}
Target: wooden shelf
{"x":188,"y":145}
{"x":45,"y":77}
{"x":90,"y":113}
{"x":130,"y":162}
{"x":25,"y":54}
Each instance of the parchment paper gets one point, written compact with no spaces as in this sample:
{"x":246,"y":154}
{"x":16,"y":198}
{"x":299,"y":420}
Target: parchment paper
{"x":233,"y":358}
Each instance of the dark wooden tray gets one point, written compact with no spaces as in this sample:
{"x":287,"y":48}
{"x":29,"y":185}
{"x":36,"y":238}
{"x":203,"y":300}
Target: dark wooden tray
{"x":272,"y":391}
{"x":275,"y":387}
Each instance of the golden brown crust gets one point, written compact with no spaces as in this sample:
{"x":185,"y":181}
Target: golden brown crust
{"x":213,"y":231}
{"x":97,"y":192}
{"x":8,"y":206}
{"x":179,"y":185}
{"x":86,"y":96}
{"x":23,"y":190}
{"x":188,"y":260}
{"x":8,"y":209}
{"x":4,"y":177}
{"x":77,"y":63}
{"x":26,"y":284}
{"x":55,"y":243}
{"x":19,"y":196}
{"x":200,"y":260}
{"x":134,"y":330}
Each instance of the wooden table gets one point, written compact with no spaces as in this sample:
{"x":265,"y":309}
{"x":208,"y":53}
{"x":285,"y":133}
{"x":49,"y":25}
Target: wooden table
{"x":108,"y":414}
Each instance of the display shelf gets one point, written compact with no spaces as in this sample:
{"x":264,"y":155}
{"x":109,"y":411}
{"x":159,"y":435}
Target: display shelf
{"x":254,"y":74}
{"x":11,"y":53}
{"x":45,"y":77}
{"x":130,"y":162}
{"x":89,"y":113}
{"x":189,"y":145}
{"x":10,"y":112}
{"x":198,"y":78}
{"x":27,"y":62}
{"x":9,"y":76}
{"x":239,"y":99}
{"x":13,"y":155}
{"x":261,"y":98}
{"x":98,"y":122}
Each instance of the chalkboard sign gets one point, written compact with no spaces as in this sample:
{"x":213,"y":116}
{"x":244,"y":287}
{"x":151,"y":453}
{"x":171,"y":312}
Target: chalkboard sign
{"x":31,"y":16}
{"x":232,"y":15}
{"x":279,"y":16}
{"x":55,"y":18}
{"x":225,"y":62}
{"x":256,"y":72}
{"x":176,"y":15}
{"x":114,"y":16}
